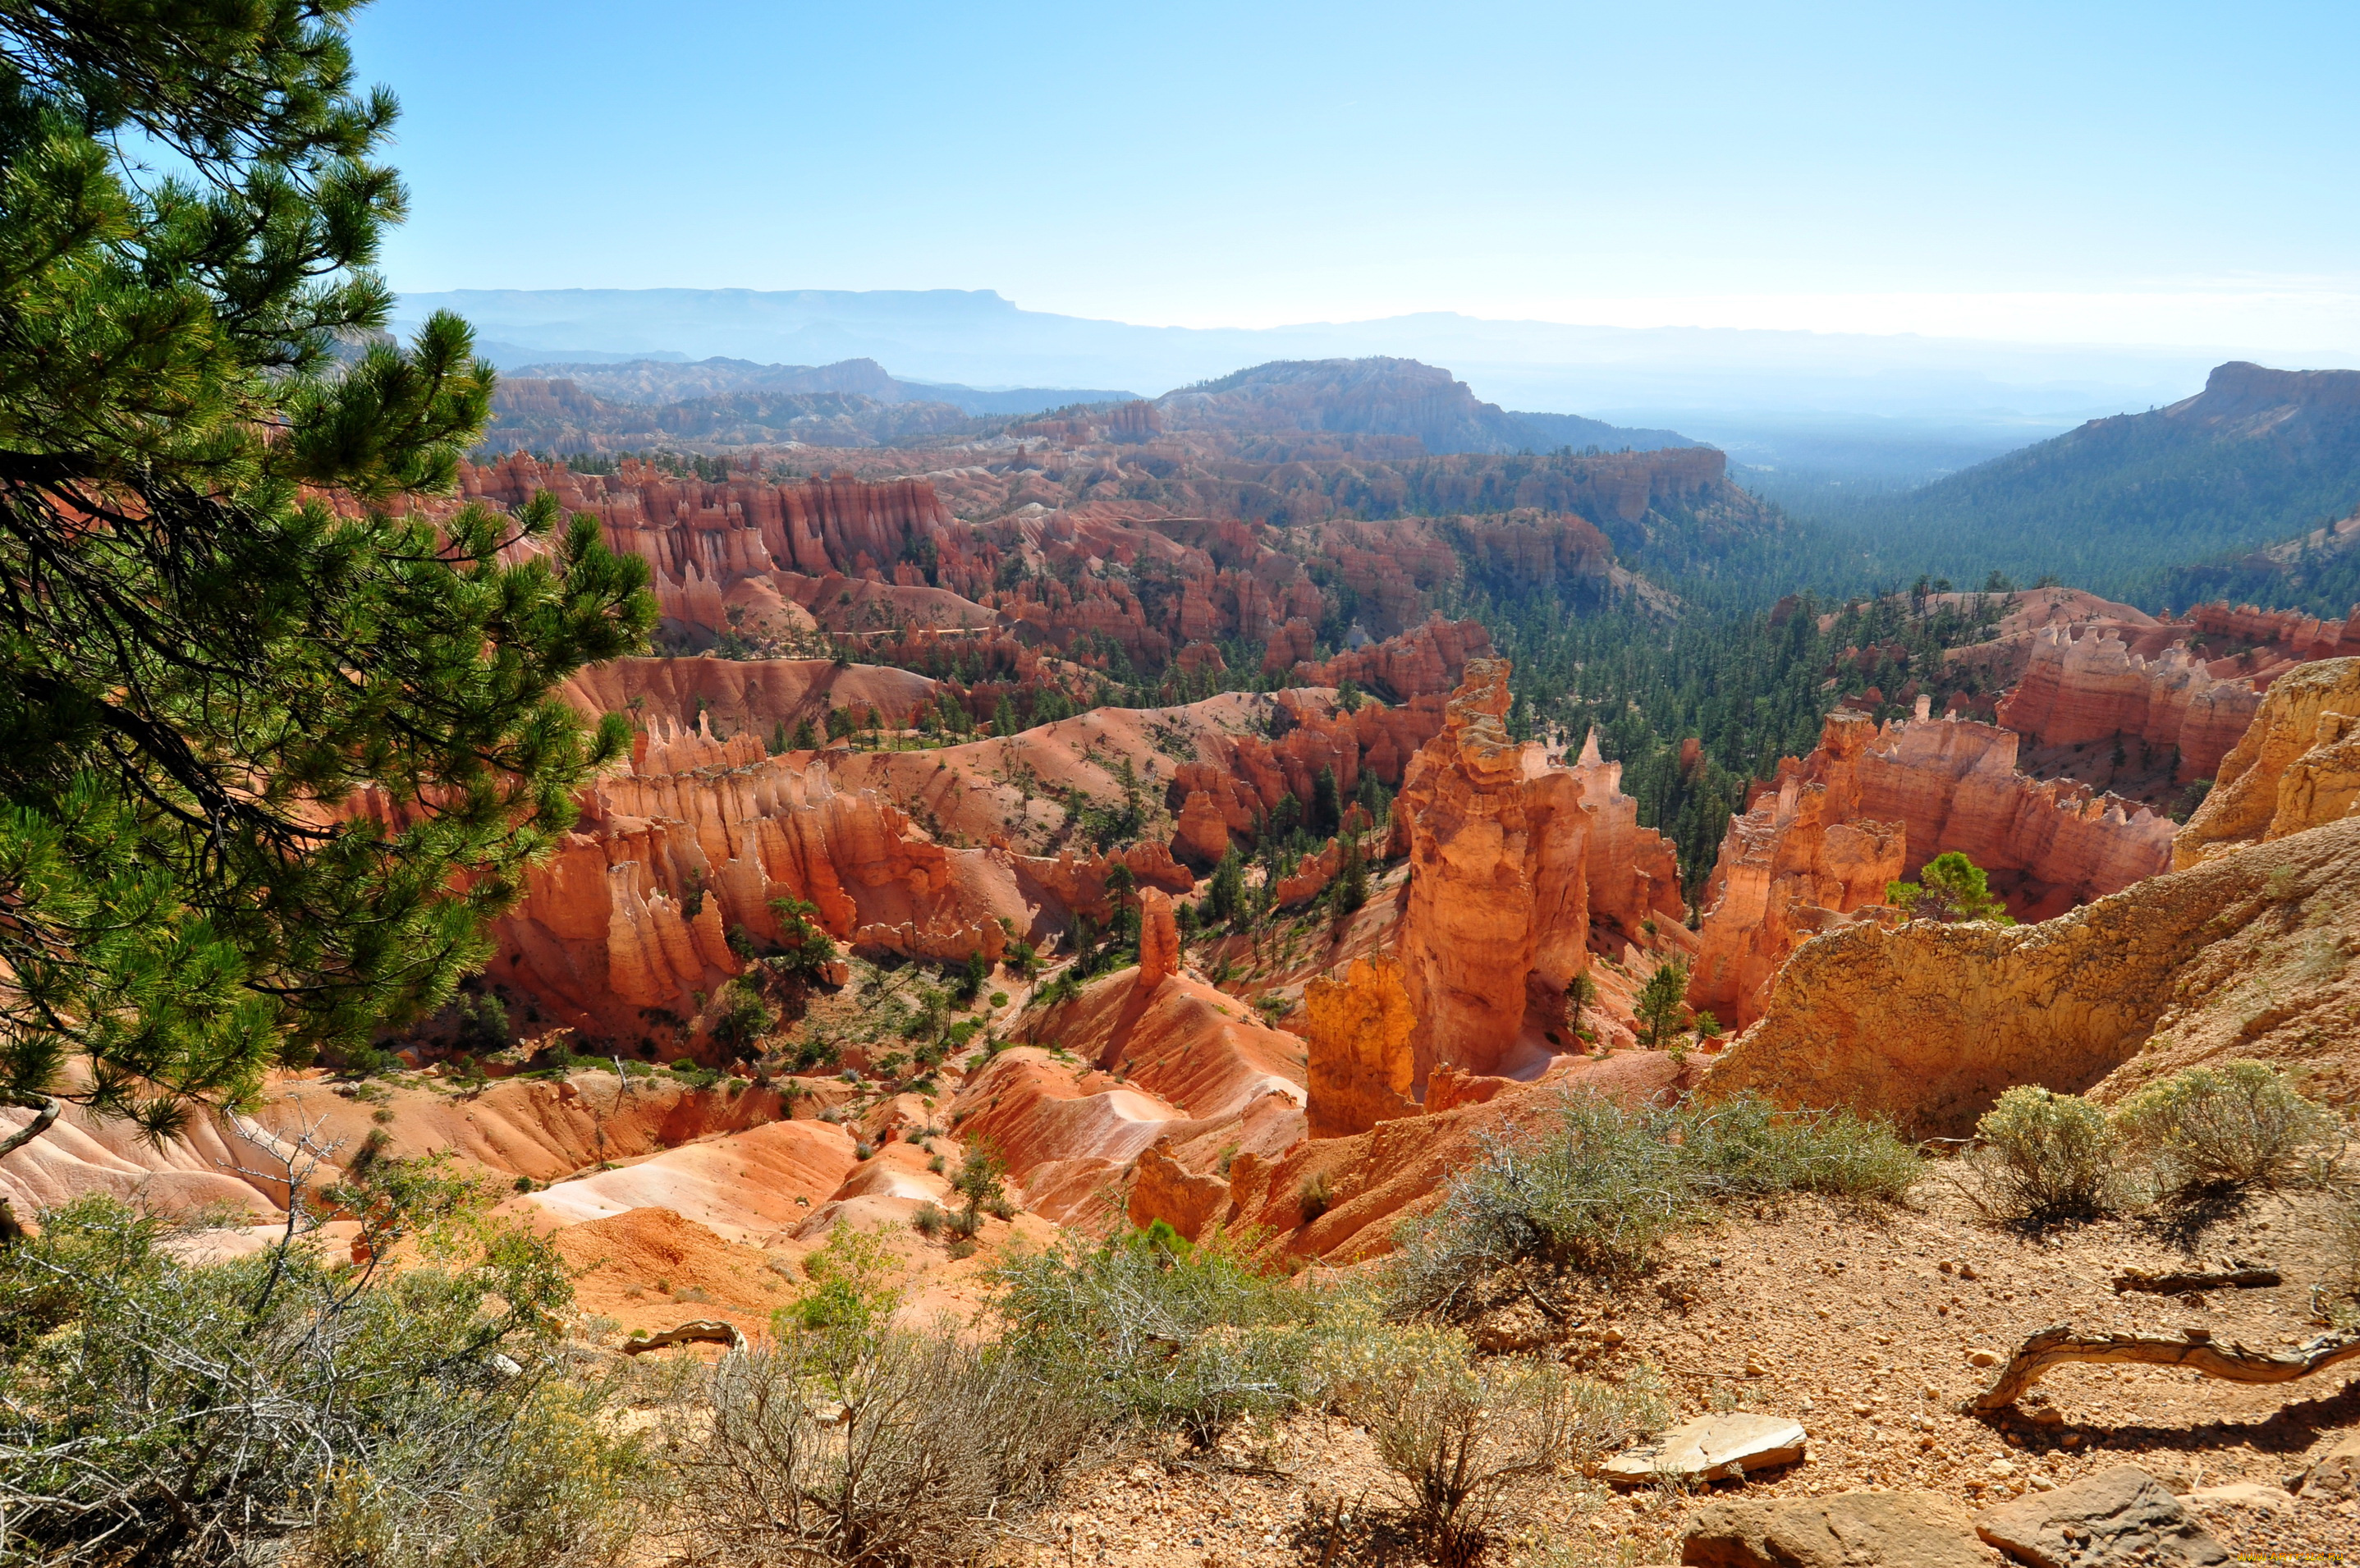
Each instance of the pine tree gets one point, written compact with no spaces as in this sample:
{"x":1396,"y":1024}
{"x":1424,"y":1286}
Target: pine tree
{"x":1661,"y":1002}
{"x":1950,"y":888}
{"x":204,"y":661}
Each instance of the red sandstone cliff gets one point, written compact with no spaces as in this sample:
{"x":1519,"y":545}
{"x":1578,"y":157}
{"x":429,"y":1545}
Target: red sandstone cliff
{"x":2096,"y":688}
{"x":1872,"y":806}
{"x":1427,"y":661}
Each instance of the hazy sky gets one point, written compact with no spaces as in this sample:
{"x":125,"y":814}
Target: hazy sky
{"x":2145,"y":172}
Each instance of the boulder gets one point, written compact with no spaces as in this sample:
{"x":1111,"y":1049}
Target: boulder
{"x":1850,"y":1529}
{"x":1710,"y":1448}
{"x":2335,"y":1475}
{"x":2122,"y":1516}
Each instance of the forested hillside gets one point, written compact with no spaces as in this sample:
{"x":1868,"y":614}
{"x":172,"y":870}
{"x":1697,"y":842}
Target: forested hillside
{"x":2114,"y":506}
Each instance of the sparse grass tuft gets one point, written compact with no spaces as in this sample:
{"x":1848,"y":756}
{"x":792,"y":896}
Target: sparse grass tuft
{"x":1599,"y":1193}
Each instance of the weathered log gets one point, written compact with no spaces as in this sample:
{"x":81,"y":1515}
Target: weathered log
{"x":702,"y":1331}
{"x":2194,"y":1352}
{"x":2181,"y":1284}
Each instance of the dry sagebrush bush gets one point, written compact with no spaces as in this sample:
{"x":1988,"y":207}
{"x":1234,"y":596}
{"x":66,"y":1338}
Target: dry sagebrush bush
{"x":1457,"y":1431}
{"x":2238,"y":1123}
{"x":912,"y":1452}
{"x":2044,"y":1156}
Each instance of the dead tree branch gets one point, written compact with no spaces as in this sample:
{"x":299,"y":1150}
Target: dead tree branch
{"x":2195,"y":1353}
{"x":2200,"y":1280}
{"x":701,"y":1331}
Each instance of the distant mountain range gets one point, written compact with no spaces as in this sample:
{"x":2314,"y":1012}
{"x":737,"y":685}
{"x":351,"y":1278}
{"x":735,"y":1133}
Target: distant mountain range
{"x":722,"y":403}
{"x":1381,"y":396}
{"x":2260,"y":455}
{"x":1637,"y":376}
{"x":652,"y":381}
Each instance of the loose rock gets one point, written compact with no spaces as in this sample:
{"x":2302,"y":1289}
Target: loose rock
{"x":2121,"y":1516}
{"x":1851,"y":1529}
{"x":1711,"y":1448}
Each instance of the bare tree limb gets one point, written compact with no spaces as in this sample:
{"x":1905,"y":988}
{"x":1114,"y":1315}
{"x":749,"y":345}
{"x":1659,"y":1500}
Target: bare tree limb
{"x":2195,"y":1352}
{"x":46,"y":1107}
{"x":2238,"y":1279}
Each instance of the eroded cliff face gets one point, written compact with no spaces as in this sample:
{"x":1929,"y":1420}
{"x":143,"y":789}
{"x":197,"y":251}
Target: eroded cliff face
{"x":1802,"y":859}
{"x":630,"y":920}
{"x":1872,"y":805}
{"x":1513,"y":860}
{"x":632,"y":914}
{"x":2298,"y":766}
{"x":2096,"y":688}
{"x":1428,"y":660}
{"x":2290,"y":634}
{"x":2051,"y":843}
{"x":2250,"y":955}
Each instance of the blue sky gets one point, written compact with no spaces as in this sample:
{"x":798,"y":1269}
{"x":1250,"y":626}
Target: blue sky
{"x":2128,"y":173}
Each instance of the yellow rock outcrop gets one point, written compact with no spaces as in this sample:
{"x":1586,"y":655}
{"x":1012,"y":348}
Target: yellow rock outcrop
{"x":2247,"y":955}
{"x":2296,"y":767}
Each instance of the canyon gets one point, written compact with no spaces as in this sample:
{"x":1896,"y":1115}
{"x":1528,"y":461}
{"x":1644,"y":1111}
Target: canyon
{"x":1180,"y":850}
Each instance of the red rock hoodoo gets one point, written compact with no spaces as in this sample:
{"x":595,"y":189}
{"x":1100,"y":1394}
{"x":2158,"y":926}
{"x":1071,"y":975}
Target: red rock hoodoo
{"x":1512,"y":860}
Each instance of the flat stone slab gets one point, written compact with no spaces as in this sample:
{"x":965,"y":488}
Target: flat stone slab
{"x":1850,"y":1529}
{"x":1710,"y":1448}
{"x":2112,"y":1520}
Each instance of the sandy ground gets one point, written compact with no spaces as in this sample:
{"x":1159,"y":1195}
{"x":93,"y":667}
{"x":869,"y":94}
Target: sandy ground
{"x":1859,"y":1332}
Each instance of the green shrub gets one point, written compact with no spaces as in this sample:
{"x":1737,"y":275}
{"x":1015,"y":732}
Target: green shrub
{"x":2045,"y":1157}
{"x":1313,"y":1198}
{"x":2241,"y":1122}
{"x":290,"y":1406}
{"x":1951,"y":888}
{"x":1745,"y":1147}
{"x":1188,"y":1339}
{"x":852,"y":1288}
{"x":1661,"y":1003}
